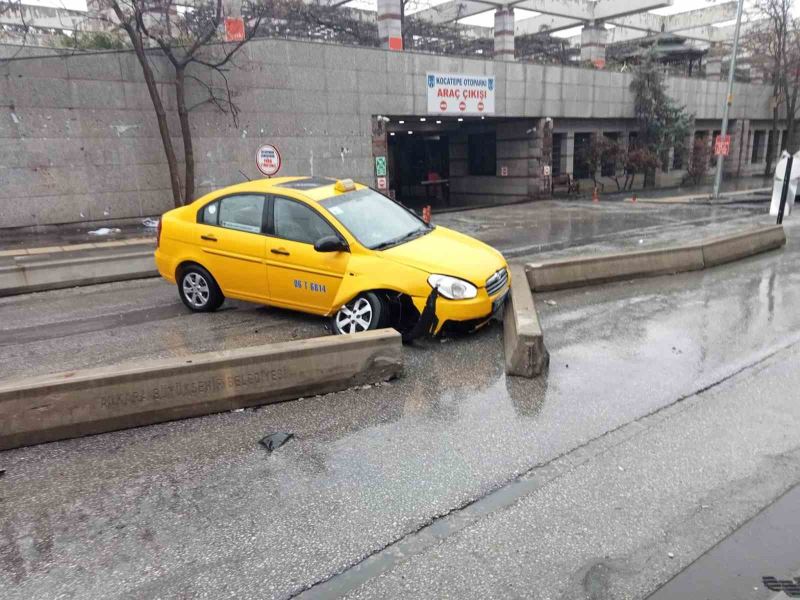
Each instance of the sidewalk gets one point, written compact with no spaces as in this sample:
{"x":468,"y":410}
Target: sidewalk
{"x":24,"y":270}
{"x":745,"y":189}
{"x":77,"y":236}
{"x":19,"y":251}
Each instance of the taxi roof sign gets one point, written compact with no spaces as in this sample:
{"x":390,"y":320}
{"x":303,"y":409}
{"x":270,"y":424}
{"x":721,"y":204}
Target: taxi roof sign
{"x":344,"y":185}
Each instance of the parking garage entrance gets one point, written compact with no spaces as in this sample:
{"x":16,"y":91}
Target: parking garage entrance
{"x":419,"y":164}
{"x":458,"y":161}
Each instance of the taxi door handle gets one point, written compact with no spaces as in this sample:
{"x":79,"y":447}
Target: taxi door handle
{"x":279,"y":251}
{"x":208,"y":238}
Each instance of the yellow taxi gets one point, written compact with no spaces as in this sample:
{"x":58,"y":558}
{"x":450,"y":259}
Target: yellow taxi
{"x":332,"y":248}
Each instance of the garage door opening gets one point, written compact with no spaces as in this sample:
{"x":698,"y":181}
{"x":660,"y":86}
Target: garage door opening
{"x":453,"y":162}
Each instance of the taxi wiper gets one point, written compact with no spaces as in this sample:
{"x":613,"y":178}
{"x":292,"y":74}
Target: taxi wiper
{"x":403,"y":238}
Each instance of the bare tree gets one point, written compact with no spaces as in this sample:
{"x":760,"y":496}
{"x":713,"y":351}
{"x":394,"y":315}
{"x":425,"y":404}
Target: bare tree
{"x":772,"y":43}
{"x":16,"y":32}
{"x":184,"y":38}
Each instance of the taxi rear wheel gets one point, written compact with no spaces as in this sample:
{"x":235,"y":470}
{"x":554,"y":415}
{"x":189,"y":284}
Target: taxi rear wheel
{"x":363,"y":313}
{"x":198,"y":289}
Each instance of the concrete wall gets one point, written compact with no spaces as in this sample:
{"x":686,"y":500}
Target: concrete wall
{"x":518,"y":154}
{"x":78,"y":139}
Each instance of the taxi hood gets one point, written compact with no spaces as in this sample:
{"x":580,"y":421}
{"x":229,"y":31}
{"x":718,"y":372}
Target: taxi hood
{"x":448,"y":252}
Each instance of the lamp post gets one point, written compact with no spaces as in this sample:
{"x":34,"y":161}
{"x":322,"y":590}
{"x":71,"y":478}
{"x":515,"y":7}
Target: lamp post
{"x":729,"y":99}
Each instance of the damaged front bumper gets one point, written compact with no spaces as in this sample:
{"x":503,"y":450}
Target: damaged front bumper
{"x":440,"y":314}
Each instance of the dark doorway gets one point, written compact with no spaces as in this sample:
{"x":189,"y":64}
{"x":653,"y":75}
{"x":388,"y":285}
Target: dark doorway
{"x":420,"y":169}
{"x":583,"y":142}
{"x":558,"y":141}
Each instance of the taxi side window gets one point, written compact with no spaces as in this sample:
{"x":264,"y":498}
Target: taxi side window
{"x":243,"y":213}
{"x":210,"y":214}
{"x":299,"y":223}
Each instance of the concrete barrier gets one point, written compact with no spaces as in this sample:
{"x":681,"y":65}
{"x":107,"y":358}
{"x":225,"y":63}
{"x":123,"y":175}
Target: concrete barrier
{"x":77,"y":403}
{"x":579,"y":271}
{"x":525,"y":353}
{"x":727,"y":248}
{"x":34,"y":273}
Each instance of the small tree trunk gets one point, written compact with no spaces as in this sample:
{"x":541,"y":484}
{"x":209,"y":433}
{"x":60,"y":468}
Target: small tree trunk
{"x":771,"y":140}
{"x":186,"y":132}
{"x":791,"y":117}
{"x":650,"y":178}
{"x":161,"y":117}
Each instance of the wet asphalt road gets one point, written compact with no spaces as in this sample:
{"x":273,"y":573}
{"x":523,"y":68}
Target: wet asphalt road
{"x":620,"y":462}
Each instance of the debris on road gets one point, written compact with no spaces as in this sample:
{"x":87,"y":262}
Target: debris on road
{"x":670,"y":554}
{"x":150,"y":223}
{"x":105,"y":231}
{"x":2,"y":472}
{"x":273,"y":441}
{"x":551,"y":302}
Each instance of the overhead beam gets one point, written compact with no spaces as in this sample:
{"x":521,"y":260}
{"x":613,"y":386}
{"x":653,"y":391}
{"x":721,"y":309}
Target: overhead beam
{"x":547,"y":23}
{"x":571,"y":9}
{"x":447,"y":12}
{"x":614,"y":9}
{"x":710,"y":15}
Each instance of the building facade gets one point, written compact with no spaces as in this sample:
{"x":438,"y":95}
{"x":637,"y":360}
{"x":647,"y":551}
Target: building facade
{"x":79,"y":141}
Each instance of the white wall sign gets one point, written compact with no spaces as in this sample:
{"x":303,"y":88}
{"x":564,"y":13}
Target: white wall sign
{"x":268,"y":160}
{"x":459,"y":94}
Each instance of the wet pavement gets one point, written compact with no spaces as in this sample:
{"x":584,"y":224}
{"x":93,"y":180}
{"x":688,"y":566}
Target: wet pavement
{"x":526,"y":229}
{"x":118,"y":322}
{"x":765,"y":546}
{"x":565,"y":221}
{"x":579,"y":484}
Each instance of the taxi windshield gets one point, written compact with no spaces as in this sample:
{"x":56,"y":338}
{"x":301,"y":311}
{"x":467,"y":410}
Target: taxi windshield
{"x":376,"y":221}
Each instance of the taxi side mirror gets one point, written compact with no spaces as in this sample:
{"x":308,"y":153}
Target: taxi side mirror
{"x":330,"y":243}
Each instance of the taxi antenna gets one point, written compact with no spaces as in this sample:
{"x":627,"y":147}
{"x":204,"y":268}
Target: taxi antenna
{"x":244,"y":175}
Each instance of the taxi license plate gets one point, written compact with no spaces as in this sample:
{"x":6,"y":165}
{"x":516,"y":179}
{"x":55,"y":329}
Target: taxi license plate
{"x":499,"y":301}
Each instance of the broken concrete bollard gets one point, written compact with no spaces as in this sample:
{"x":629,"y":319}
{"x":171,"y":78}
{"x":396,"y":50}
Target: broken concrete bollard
{"x":526,"y":355}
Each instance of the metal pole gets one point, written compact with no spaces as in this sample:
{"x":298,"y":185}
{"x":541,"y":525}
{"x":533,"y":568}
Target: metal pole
{"x":729,"y":99}
{"x":785,"y":190}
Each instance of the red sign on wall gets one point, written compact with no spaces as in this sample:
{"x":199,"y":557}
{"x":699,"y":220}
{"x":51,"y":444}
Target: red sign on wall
{"x":234,"y":29}
{"x":722,"y":145}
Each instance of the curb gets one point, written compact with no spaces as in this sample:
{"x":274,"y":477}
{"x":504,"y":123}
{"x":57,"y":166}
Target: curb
{"x":580,"y":271}
{"x":77,"y":403}
{"x":33,"y":273}
{"x":523,"y":341}
{"x":75,"y":247}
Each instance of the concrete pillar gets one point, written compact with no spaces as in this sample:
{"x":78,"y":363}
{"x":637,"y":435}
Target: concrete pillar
{"x":390,"y":28}
{"x":714,"y":62}
{"x":569,"y":153}
{"x":593,"y":44}
{"x":232,"y":8}
{"x":504,"y":33}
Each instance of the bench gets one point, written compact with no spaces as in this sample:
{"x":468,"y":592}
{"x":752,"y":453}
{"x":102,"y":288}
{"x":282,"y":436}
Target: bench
{"x":565,"y":181}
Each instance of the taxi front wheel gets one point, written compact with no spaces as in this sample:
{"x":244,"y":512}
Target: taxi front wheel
{"x":198,"y":290}
{"x":364,"y":312}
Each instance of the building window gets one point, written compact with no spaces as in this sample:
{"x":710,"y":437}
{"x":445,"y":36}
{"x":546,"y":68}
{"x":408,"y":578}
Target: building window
{"x":581,"y":169}
{"x":482,"y":151}
{"x":771,"y":143}
{"x":758,"y":146}
{"x":677,"y":159}
{"x":558,"y":140}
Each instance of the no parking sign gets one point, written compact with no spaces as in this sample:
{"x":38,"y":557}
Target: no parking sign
{"x":268,"y":160}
